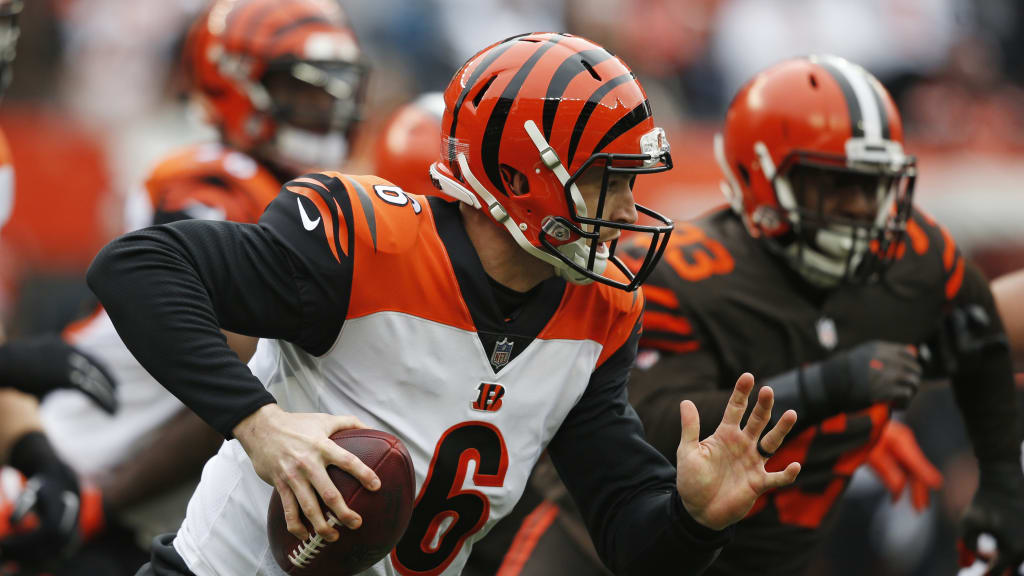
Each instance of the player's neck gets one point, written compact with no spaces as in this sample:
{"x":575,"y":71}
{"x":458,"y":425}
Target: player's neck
{"x":503,"y":260}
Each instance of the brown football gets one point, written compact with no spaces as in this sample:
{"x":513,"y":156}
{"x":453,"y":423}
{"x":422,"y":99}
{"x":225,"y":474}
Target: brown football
{"x":385,"y":512}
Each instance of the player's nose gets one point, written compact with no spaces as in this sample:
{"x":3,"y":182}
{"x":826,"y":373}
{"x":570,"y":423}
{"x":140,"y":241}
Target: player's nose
{"x":857,"y":204}
{"x":621,"y":206}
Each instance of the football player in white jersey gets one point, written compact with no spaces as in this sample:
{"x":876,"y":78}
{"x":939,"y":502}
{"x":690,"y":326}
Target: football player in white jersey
{"x":143,"y":462}
{"x":481,"y":331}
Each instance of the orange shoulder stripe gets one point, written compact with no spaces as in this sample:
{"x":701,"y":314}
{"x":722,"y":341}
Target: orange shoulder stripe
{"x":325,"y":213}
{"x":663,"y":297}
{"x":670,"y":346}
{"x":956,"y":280}
{"x":949,"y":251}
{"x":918,"y":237}
{"x":662,"y":322}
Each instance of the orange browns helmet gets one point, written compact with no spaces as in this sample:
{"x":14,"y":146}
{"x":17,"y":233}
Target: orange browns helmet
{"x":210,"y":182}
{"x":541,"y":108}
{"x":9,"y":31}
{"x":281,"y":79}
{"x":821,"y":113}
{"x":407,"y":146}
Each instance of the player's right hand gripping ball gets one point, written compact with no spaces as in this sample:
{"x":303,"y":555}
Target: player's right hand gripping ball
{"x":385,"y":512}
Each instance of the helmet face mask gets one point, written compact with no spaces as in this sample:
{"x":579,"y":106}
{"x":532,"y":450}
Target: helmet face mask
{"x":587,"y":255}
{"x":315,"y":108}
{"x":533,"y":119}
{"x":845,"y":218}
{"x":315,"y":96}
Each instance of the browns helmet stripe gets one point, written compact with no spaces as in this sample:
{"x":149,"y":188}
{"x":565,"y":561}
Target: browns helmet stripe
{"x":625,"y":124}
{"x":873,"y":122}
{"x":588,"y":109}
{"x":493,"y":55}
{"x":883,"y":116}
{"x":852,"y":105}
{"x":870,"y":116}
{"x":567,"y":70}
{"x":496,"y":121}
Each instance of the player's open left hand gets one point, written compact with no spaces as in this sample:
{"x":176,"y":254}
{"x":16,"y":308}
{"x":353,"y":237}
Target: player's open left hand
{"x":291,"y":452}
{"x":721,"y":477}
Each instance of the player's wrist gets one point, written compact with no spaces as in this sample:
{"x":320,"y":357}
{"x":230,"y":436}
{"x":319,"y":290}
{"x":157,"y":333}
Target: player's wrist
{"x":832,"y":384}
{"x":254,"y":425}
{"x":1003,"y":476}
{"x":803,"y":391}
{"x":696,"y":528}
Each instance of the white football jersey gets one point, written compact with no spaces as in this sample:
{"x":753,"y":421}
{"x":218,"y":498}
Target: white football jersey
{"x":412,"y":358}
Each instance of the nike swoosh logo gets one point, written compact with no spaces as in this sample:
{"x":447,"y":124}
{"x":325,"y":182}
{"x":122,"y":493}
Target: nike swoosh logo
{"x":306,"y":222}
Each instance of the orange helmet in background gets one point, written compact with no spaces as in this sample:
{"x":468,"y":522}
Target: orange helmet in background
{"x":281,"y":79}
{"x":824,"y":114}
{"x":9,"y":31}
{"x":407,"y":145}
{"x":523,"y":119}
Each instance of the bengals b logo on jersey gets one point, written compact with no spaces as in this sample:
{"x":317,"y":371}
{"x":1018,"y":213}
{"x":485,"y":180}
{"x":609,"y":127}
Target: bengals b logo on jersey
{"x":489,"y":399}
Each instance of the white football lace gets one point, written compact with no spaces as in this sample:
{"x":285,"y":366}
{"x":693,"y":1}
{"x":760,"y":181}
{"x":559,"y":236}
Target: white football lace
{"x":304,"y":553}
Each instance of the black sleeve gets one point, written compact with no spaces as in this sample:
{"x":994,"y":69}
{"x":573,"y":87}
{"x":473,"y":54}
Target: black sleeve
{"x":983,"y":371}
{"x":625,"y":490}
{"x":169,"y":289}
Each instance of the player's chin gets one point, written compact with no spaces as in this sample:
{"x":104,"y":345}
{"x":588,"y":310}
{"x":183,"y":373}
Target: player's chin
{"x":602,"y":246}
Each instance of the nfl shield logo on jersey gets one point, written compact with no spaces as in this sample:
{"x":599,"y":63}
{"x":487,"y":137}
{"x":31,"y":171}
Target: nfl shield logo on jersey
{"x":502,"y":352}
{"x":828,"y":337}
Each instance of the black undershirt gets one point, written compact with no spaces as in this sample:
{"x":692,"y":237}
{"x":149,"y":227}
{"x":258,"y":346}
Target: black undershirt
{"x":510,"y":301}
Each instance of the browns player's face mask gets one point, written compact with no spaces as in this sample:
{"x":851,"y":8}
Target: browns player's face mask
{"x":315,"y":108}
{"x":848,"y":220}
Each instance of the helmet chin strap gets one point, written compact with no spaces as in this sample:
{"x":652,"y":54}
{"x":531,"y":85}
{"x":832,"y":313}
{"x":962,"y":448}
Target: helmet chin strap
{"x":576,"y":251}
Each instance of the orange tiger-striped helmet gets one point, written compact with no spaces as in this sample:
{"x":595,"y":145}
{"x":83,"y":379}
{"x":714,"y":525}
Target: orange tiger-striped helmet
{"x":281,"y":79}
{"x":523,"y":120}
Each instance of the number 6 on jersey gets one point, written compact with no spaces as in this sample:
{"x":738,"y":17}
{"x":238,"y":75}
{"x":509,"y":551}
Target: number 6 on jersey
{"x":444,"y":514}
{"x":396,"y":196}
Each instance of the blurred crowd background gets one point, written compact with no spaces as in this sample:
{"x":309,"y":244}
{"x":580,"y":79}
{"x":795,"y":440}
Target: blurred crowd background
{"x":99,"y":97}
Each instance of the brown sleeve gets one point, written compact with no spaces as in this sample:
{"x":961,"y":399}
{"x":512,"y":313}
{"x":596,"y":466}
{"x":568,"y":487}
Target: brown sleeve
{"x":656,"y":392}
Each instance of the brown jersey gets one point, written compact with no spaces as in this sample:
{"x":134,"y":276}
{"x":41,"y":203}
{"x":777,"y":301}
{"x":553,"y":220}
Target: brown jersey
{"x":720,"y":304}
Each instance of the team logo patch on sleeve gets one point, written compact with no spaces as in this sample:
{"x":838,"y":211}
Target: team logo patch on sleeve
{"x":489,"y":399}
{"x":502,"y":352}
